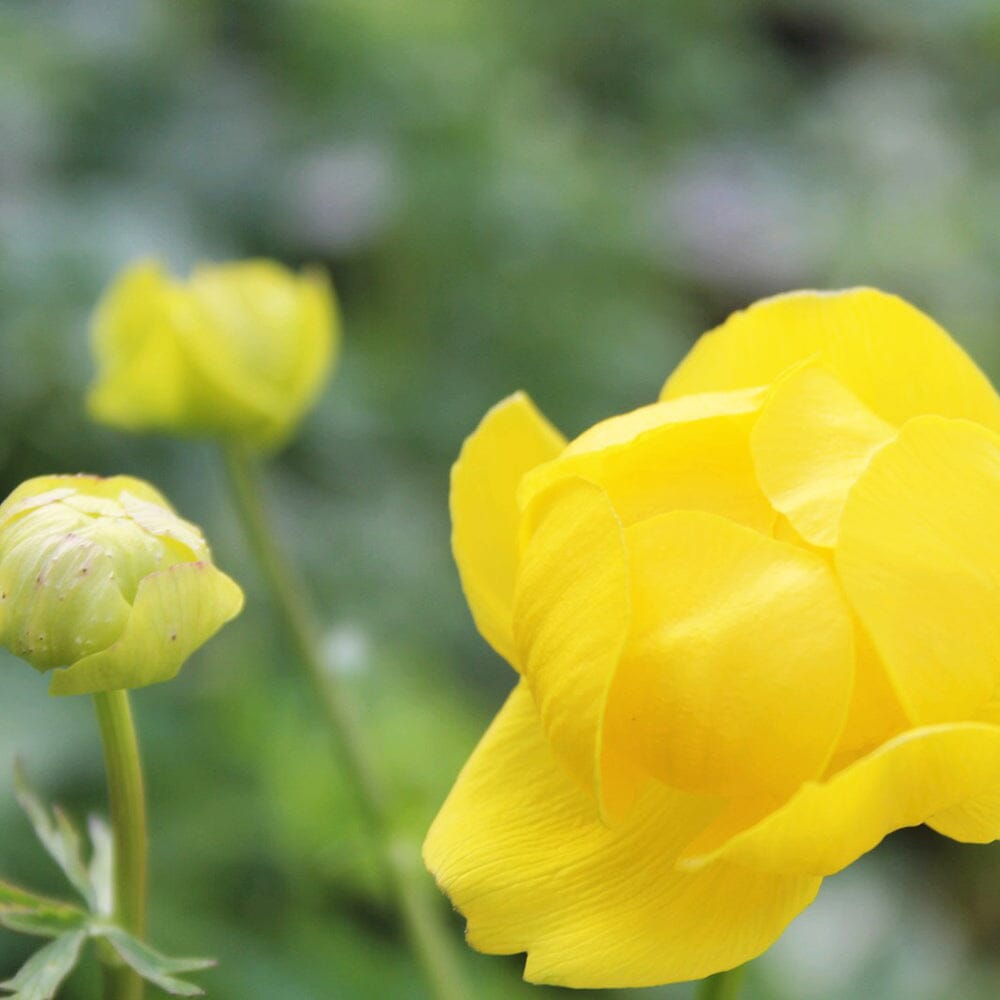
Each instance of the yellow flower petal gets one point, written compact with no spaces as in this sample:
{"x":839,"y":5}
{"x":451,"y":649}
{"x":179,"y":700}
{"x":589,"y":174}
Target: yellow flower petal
{"x":919,"y":558}
{"x":175,"y":611}
{"x":512,"y":438}
{"x":875,"y":714}
{"x":571,"y":620}
{"x":521,"y":853}
{"x":898,"y":361}
{"x":142,"y":381}
{"x":825,"y":826}
{"x":259,"y":341}
{"x":811,"y":442}
{"x":239,"y":350}
{"x":690,"y":453}
{"x":739,"y":669}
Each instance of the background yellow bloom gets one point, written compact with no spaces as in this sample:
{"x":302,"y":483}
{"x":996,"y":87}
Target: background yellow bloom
{"x":756,"y":629}
{"x":239,"y":350}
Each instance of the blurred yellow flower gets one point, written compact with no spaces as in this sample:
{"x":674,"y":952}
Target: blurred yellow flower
{"x":757,"y":629}
{"x":102,"y":578}
{"x":240,"y":350}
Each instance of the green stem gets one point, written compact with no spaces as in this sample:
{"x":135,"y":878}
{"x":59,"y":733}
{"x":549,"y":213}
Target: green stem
{"x":723,"y":985}
{"x":408,"y":882}
{"x":128,"y":827}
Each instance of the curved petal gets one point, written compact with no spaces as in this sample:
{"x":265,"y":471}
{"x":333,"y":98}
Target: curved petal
{"x":294,"y":330}
{"x":811,"y":442}
{"x":875,"y":714}
{"x":521,"y":853}
{"x":686,"y":454}
{"x":59,"y":596}
{"x":740,"y":664}
{"x":825,"y":826}
{"x":571,"y":620}
{"x":42,"y":490}
{"x":898,"y":361}
{"x":919,"y":559}
{"x":511,"y":439}
{"x":141,"y":368}
{"x":175,"y":611}
{"x":259,"y":340}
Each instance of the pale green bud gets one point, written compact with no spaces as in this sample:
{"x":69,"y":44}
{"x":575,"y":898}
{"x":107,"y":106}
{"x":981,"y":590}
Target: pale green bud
{"x":100,"y":577}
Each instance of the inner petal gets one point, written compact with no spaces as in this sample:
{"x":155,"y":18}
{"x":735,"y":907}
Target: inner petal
{"x":740,"y":663}
{"x":811,"y":442}
{"x":686,"y":454}
{"x":919,"y":558}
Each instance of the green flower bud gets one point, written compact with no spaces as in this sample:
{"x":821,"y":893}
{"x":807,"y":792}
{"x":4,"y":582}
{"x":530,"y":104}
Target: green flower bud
{"x":239,"y":350}
{"x":101,"y":578}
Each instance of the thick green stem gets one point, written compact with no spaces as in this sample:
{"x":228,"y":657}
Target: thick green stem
{"x":400,"y":860}
{"x":723,"y":985}
{"x":128,"y":827}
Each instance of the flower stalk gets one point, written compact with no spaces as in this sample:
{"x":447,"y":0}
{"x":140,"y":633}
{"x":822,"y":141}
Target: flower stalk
{"x":723,"y":985}
{"x":400,"y":860}
{"x":128,"y":823}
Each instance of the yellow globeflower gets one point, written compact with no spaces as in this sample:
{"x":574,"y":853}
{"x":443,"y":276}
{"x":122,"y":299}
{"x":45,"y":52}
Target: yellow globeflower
{"x":239,"y":350}
{"x":101,"y":578}
{"x":756,"y":630}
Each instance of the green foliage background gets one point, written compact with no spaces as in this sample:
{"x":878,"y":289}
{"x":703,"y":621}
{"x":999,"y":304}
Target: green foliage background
{"x":555,"y":195}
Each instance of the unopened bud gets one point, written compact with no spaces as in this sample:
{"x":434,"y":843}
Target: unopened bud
{"x":101,"y":578}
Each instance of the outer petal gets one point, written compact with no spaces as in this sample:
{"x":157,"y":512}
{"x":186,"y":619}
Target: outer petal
{"x":259,"y":340}
{"x":522,"y":855}
{"x":915,"y":776}
{"x":919,"y":558}
{"x":512,"y":438}
{"x":39,"y":491}
{"x":687,"y":454}
{"x":175,"y":611}
{"x":294,"y":332}
{"x":898,"y":361}
{"x":812,"y":441}
{"x":738,"y":673}
{"x":571,"y":620}
{"x":141,"y":367}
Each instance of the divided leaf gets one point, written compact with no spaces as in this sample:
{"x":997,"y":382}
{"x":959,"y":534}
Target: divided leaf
{"x":155,"y":967}
{"x":101,"y":871}
{"x":43,"y":973}
{"x":59,"y":837}
{"x":30,"y":913}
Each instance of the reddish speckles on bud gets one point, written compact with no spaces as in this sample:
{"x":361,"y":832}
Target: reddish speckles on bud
{"x":84,"y":565}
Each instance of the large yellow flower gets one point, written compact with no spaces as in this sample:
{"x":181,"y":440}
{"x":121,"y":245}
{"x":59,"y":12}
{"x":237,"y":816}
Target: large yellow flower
{"x":757,"y":629}
{"x":240,"y":350}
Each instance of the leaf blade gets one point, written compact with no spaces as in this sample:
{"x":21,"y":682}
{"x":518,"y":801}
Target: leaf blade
{"x":58,"y":837}
{"x":156,"y":967}
{"x":44,"y":972}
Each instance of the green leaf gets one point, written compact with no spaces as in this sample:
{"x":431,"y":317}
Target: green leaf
{"x":14,"y":896}
{"x":155,"y":967}
{"x":44,"y":923}
{"x":44,"y":972}
{"x":101,"y":872}
{"x":59,"y":838}
{"x":29,"y":913}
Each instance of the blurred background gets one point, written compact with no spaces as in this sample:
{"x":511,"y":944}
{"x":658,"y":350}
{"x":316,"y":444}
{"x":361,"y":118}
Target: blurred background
{"x":554,"y":196}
